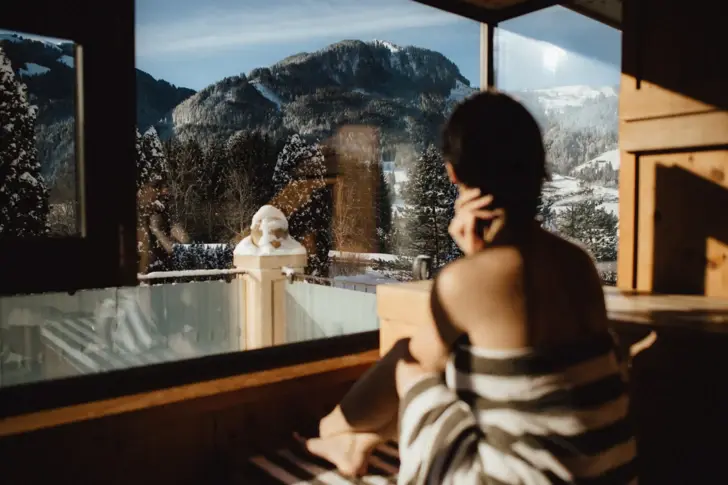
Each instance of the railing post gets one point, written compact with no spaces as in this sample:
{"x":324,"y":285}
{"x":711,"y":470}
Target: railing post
{"x":265,"y":297}
{"x":264,"y":282}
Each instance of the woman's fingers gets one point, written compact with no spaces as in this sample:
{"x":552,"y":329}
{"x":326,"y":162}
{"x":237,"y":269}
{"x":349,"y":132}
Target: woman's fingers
{"x":476,"y":204}
{"x":466,"y":195}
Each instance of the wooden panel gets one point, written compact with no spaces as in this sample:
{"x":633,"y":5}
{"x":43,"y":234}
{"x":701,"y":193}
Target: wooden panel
{"x":627,"y":221}
{"x":401,"y":309}
{"x":650,"y":100}
{"x":125,"y":404}
{"x":673,"y":58}
{"x":692,"y":131}
{"x":683,"y":230}
{"x":628,"y":307}
{"x":198,"y":440}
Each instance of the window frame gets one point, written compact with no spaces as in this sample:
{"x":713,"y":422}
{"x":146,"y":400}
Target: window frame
{"x":104,"y":252}
{"x":110,"y":201}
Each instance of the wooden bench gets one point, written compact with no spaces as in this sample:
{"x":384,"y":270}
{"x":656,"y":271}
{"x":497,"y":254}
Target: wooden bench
{"x":295,"y":465}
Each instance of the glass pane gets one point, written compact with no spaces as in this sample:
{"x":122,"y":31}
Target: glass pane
{"x":566,"y":69}
{"x":57,"y":335}
{"x":328,"y":111}
{"x":38,"y":189}
{"x":319,"y":311}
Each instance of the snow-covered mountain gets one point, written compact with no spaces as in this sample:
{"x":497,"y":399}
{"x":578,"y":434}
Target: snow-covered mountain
{"x":405,"y":91}
{"x":46,"y":68}
{"x":557,"y":99}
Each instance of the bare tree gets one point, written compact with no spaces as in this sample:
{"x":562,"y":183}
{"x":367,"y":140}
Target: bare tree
{"x":239,"y":206}
{"x":346,"y":231}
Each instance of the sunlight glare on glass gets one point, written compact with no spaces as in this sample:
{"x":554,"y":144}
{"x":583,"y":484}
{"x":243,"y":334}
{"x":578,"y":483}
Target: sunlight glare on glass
{"x":552,"y":57}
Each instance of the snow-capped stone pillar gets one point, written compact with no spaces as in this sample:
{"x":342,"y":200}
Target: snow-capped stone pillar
{"x":264,"y":255}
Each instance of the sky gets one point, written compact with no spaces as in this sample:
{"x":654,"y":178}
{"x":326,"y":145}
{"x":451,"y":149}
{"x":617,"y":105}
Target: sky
{"x":192,"y":43}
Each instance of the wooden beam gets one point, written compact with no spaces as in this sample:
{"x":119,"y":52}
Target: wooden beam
{"x":487,"y":57}
{"x":464,"y":9}
{"x":248,"y":383}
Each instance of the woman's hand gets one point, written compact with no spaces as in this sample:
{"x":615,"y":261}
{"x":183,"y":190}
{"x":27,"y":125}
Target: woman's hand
{"x":470,"y":207}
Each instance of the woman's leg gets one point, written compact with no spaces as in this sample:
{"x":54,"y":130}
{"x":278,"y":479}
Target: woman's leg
{"x":349,"y":451}
{"x":372,"y":403}
{"x":366,"y":416}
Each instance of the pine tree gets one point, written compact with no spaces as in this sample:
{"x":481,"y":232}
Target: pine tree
{"x":384,"y":212}
{"x":302,"y":195}
{"x":157,"y":168}
{"x":23,"y":193}
{"x":430,"y":206}
{"x":592,"y":226}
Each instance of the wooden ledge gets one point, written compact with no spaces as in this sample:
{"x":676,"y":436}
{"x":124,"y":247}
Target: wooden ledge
{"x":135,"y":402}
{"x":404,"y":306}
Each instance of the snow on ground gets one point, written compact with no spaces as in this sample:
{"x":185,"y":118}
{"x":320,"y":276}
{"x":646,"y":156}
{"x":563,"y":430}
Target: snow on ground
{"x":611,"y":157}
{"x":267,"y":93}
{"x":32,"y":69}
{"x":461,"y":91}
{"x":67,"y":60}
{"x":570,"y":96}
{"x":363,"y":256}
{"x":365,"y":282}
{"x":566,"y":190}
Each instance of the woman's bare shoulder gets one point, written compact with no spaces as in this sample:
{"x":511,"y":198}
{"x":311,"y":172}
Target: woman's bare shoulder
{"x":481,"y":280}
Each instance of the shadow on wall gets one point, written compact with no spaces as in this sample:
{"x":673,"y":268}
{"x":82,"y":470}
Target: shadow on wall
{"x":679,"y":404}
{"x":690,"y":241}
{"x":658,"y":24}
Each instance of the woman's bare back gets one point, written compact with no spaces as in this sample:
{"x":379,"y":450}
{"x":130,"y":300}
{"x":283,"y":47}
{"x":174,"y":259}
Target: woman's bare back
{"x":539,"y":295}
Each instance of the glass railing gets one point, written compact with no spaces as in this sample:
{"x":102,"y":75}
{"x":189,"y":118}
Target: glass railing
{"x":320,"y":308}
{"x":55,"y":335}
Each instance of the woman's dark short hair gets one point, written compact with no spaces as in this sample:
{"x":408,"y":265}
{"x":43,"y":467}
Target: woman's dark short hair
{"x":493,"y":143}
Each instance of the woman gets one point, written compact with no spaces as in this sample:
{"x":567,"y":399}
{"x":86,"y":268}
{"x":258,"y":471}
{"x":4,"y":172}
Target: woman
{"x":519,"y":380}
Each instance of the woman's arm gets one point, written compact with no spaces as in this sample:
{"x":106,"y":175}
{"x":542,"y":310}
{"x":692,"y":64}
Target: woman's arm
{"x":432,"y":343}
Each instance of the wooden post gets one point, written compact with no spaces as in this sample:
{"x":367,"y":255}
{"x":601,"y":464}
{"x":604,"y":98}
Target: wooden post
{"x":263,"y":302}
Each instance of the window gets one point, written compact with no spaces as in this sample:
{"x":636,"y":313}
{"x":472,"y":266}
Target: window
{"x":566,"y":69}
{"x":329,"y":112}
{"x":65,"y":223}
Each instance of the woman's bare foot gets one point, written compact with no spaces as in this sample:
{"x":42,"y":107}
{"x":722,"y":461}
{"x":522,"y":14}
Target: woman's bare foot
{"x":334,"y":423}
{"x":349,"y":452}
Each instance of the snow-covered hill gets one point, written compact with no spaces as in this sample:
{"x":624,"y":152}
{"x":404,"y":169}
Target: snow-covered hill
{"x":610,"y":158}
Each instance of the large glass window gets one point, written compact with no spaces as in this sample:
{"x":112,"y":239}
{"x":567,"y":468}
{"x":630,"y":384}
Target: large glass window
{"x":328,"y":111}
{"x":38,"y":195}
{"x":566,"y":69}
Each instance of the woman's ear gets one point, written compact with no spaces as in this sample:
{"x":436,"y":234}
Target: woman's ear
{"x":451,"y":173}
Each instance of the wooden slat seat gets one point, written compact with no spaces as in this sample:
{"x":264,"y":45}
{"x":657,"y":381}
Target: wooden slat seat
{"x":296,"y":466}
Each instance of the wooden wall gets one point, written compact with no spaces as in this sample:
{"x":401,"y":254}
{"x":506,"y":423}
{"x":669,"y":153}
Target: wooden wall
{"x":196,"y":440}
{"x":674,"y":142}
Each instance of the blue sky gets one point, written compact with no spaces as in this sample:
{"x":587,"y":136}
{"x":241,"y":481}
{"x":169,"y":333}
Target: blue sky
{"x":195,"y":43}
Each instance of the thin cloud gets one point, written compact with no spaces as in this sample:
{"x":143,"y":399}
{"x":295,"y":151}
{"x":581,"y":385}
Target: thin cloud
{"x":216,"y":29}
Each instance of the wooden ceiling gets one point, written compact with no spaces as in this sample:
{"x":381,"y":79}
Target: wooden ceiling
{"x":607,"y":11}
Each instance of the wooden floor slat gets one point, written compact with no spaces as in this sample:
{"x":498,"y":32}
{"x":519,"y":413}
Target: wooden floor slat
{"x":296,"y":466}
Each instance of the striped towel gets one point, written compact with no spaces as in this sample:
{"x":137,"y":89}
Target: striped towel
{"x":296,"y":466}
